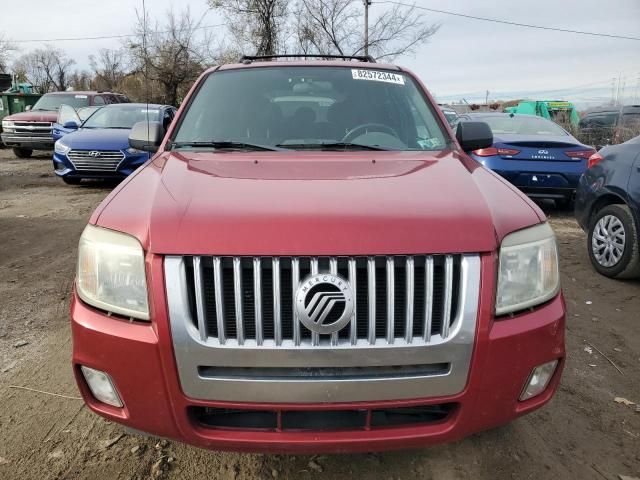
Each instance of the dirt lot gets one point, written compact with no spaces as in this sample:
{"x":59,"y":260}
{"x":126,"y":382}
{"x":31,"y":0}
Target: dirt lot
{"x":582,"y":434}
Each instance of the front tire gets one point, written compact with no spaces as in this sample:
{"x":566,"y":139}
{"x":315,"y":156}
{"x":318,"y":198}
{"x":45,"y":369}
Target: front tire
{"x":71,"y":181}
{"x":22,"y":152}
{"x":613,"y":242}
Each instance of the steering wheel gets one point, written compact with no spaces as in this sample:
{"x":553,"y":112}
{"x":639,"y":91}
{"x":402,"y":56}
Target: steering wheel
{"x":369,"y":127}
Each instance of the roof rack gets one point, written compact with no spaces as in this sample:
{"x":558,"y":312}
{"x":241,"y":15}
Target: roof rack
{"x":246,"y":59}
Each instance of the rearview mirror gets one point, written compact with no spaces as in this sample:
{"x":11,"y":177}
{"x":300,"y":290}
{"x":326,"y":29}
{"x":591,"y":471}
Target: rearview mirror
{"x":474,"y":135}
{"x":27,"y":108}
{"x":146,"y":136}
{"x":70,"y":125}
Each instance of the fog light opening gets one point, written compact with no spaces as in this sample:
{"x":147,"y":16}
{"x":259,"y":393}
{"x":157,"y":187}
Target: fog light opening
{"x":101,"y":386}
{"x":538,"y":380}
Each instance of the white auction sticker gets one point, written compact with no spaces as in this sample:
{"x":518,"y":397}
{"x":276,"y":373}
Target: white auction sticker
{"x":377,"y":76}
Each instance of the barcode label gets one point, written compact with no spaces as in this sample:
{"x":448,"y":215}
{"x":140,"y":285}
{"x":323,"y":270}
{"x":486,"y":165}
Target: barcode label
{"x":377,"y":76}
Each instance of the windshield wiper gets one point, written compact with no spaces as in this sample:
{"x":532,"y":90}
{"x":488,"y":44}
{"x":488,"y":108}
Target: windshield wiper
{"x":332,"y":146}
{"x":224,"y":144}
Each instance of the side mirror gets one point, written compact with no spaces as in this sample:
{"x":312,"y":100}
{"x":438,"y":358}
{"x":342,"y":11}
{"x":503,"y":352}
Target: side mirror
{"x":146,"y":136}
{"x":474,"y":135}
{"x":27,"y":108}
{"x":70,"y":125}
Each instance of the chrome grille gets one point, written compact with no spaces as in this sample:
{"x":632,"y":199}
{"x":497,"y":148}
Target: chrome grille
{"x":32,"y":129}
{"x":249,"y":301}
{"x":219,"y":368}
{"x":96,"y":160}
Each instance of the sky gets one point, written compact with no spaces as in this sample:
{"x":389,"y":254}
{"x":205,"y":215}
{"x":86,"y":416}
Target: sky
{"x":462,"y":61}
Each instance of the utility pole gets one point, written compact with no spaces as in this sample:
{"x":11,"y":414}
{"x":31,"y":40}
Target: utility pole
{"x":367,"y":3}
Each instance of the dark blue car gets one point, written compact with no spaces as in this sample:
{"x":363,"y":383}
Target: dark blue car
{"x":99,"y":146}
{"x":608,"y":209}
{"x":534,"y":154}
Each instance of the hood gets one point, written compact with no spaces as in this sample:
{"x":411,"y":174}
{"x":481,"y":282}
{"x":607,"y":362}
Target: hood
{"x":98,"y":139}
{"x":315,"y":203}
{"x":33,"y":116}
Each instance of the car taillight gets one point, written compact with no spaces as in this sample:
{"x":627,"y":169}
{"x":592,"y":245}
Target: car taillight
{"x":510,"y":152}
{"x":486,"y":152}
{"x":491,"y":151}
{"x":580,"y":153}
{"x":594,"y":159}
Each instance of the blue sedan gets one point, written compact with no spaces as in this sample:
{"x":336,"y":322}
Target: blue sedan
{"x":535,"y":154}
{"x":99,"y":146}
{"x":608,"y":209}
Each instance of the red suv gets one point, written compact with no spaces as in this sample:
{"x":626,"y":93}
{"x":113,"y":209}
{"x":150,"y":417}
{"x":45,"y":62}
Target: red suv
{"x":32,"y":130}
{"x":312,"y":262}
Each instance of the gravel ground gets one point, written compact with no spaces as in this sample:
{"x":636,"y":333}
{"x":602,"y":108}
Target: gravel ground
{"x":582,"y":434}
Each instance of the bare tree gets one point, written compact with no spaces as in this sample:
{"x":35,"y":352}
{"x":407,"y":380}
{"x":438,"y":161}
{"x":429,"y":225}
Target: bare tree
{"x":328,"y":26}
{"x":336,"y":27}
{"x":109,"y":68}
{"x":255,"y":24}
{"x":80,"y":80}
{"x":6,"y":47}
{"x":27,"y":69}
{"x":323,"y":27}
{"x":172,"y":54}
{"x":48,"y":69}
{"x":399,"y":31}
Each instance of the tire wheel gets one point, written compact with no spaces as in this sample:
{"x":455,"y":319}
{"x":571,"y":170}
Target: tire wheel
{"x":71,"y":181}
{"x":22,"y":152}
{"x":613,"y":242}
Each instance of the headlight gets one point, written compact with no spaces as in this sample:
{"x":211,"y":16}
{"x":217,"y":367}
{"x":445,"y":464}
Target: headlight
{"x":134,"y":151}
{"x":528,"y":273}
{"x":60,"y":148}
{"x":7,"y":125}
{"x":111,"y":272}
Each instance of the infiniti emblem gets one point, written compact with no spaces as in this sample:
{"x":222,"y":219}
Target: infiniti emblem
{"x":95,"y":154}
{"x":543,"y":152}
{"x":324,"y":303}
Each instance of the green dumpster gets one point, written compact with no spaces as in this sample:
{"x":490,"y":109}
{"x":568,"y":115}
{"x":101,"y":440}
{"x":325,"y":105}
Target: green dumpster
{"x":11,"y":103}
{"x":561,"y":112}
{"x":14,"y":102}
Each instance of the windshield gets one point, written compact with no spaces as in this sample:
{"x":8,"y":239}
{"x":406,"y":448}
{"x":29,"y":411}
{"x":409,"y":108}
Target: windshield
{"x":452,"y":117}
{"x":311,"y":108}
{"x":53,"y":102}
{"x":120,"y":116}
{"x":86,"y":112}
{"x":522,"y":125}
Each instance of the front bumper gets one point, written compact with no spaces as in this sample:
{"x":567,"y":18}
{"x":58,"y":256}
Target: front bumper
{"x":140,"y":360}
{"x":21,"y":141}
